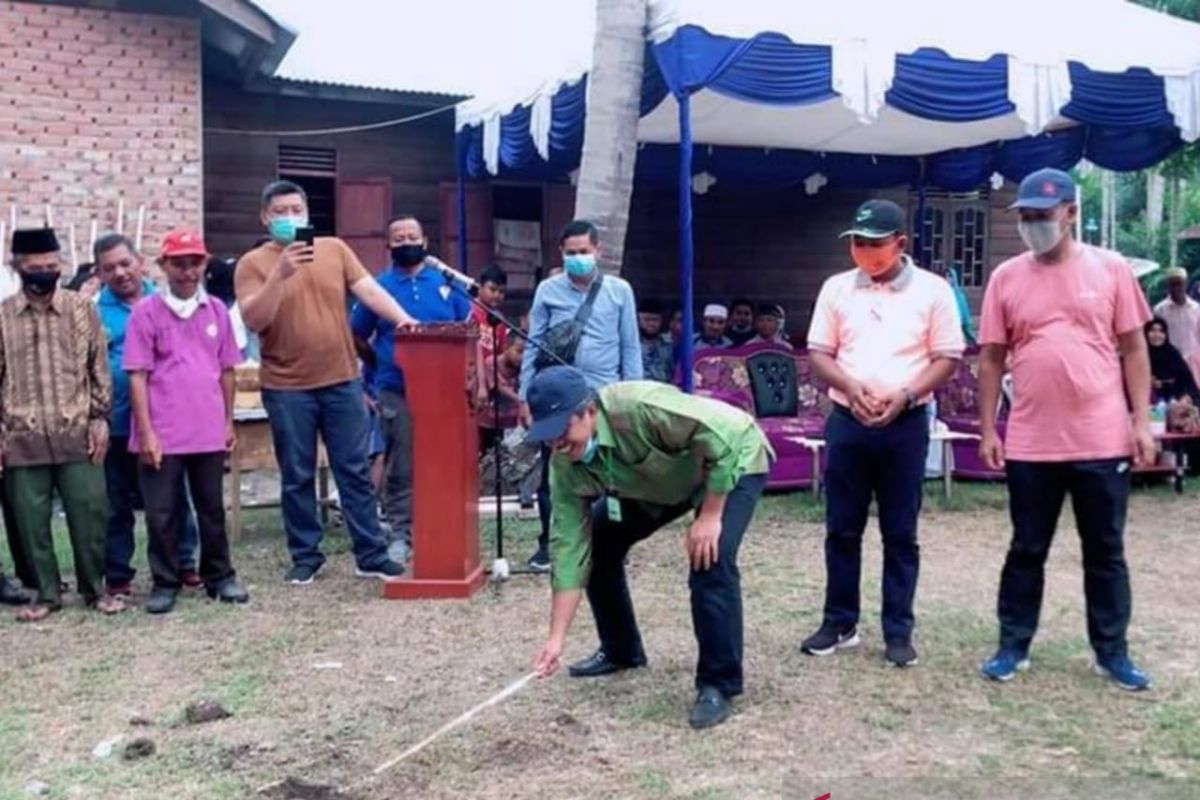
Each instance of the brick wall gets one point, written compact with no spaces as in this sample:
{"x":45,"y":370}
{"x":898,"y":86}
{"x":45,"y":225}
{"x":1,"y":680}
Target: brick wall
{"x":98,"y":106}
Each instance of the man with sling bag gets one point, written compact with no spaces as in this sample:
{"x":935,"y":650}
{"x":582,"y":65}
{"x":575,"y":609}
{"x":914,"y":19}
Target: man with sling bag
{"x":589,"y":321}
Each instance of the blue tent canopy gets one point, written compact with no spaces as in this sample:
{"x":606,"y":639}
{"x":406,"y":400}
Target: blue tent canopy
{"x":854,"y":94}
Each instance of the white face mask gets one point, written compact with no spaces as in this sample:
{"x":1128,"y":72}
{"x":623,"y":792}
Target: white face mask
{"x":184,"y":309}
{"x":1041,"y":237}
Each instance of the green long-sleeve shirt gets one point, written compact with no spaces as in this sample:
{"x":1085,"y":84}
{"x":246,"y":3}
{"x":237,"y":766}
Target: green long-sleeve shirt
{"x":656,"y":445}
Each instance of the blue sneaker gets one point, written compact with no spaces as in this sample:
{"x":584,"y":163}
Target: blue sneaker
{"x":1004,"y":666}
{"x":1121,"y":671}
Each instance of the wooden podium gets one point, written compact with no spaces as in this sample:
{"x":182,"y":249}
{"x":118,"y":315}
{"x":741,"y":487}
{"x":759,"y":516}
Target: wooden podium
{"x":439,"y":363}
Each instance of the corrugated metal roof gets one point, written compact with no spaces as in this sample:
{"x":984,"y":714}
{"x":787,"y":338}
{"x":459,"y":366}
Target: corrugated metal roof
{"x":425,"y":98}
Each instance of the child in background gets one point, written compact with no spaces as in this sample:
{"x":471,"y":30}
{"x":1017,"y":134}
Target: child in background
{"x":493,"y":283}
{"x":502,"y":375}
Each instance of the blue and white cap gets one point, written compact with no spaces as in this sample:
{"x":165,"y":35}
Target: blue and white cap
{"x":554,"y":395}
{"x":1045,"y":188}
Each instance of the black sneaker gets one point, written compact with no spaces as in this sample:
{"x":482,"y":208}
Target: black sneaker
{"x":829,"y":639}
{"x":384,"y":571}
{"x":539,"y":561}
{"x":161,"y":600}
{"x":301,"y":575}
{"x":900,"y":654}
{"x":711,"y":708}
{"x":229,"y":590}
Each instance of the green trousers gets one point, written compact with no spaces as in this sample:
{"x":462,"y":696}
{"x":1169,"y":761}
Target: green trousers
{"x":21,"y":566}
{"x":30,"y":492}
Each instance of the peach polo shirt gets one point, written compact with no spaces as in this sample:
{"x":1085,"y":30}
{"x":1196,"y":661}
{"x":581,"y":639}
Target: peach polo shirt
{"x":884,"y":334}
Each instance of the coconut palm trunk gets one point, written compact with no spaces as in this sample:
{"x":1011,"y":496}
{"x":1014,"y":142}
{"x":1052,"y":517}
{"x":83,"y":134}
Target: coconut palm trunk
{"x":614,"y":90}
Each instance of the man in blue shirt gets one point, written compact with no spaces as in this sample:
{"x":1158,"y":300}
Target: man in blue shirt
{"x":423,"y":292}
{"x":119,"y":266}
{"x":610,"y":349}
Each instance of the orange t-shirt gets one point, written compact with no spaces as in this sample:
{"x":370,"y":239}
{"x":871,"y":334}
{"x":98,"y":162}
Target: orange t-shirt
{"x":1060,"y":322}
{"x":308,"y":345}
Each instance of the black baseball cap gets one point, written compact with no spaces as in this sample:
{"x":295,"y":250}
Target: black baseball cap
{"x":554,"y":395}
{"x":1045,"y":188}
{"x":876,"y":219}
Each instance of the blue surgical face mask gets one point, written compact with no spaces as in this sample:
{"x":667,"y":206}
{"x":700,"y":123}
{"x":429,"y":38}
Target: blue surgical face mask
{"x":283,"y":229}
{"x":589,"y":453}
{"x":580,"y":265}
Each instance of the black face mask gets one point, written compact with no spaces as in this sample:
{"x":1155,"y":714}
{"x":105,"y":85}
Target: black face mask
{"x":408,"y":255}
{"x":40,"y":283}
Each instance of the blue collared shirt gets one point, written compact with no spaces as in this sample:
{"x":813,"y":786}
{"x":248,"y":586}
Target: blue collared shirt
{"x":114,"y":316}
{"x":610,"y":349}
{"x":426,"y":297}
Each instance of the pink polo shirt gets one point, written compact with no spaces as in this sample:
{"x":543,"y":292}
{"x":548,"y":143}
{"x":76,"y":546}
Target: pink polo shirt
{"x":885,"y":334}
{"x":1061,"y":322}
{"x":184,"y":359}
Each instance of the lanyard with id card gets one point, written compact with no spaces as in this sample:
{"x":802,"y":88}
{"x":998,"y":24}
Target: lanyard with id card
{"x":612,"y":503}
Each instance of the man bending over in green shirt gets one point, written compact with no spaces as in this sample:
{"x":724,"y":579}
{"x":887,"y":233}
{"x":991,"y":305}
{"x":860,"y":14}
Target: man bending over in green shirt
{"x":629,"y":460}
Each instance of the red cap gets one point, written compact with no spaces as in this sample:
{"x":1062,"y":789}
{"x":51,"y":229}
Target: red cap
{"x":183,"y":242}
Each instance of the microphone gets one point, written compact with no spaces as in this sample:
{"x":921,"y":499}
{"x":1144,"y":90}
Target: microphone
{"x":452,"y":274}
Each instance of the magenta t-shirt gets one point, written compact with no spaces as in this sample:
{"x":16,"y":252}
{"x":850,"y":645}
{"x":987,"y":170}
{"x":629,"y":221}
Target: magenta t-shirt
{"x":184,"y":359}
{"x":1061,"y":322}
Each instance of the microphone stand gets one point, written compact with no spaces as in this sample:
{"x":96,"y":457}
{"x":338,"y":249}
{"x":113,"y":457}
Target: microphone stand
{"x":470,"y":289}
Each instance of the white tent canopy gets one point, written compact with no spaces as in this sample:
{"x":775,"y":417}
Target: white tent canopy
{"x":1038,"y":40}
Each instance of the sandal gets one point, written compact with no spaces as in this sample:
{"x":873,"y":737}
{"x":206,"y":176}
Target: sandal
{"x":35,"y":613}
{"x":109,"y":604}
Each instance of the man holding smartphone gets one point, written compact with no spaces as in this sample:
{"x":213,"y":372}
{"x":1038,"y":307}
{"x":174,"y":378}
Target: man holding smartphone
{"x":293,"y":292}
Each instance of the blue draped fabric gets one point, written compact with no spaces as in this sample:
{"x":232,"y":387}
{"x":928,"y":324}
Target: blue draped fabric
{"x":768,"y":68}
{"x":932,"y":85}
{"x":1124,"y":120}
{"x":1135,"y":98}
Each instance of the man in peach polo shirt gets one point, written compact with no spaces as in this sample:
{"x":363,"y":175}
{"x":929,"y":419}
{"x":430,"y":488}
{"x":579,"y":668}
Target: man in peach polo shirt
{"x":884,"y":335}
{"x":1071,"y":315}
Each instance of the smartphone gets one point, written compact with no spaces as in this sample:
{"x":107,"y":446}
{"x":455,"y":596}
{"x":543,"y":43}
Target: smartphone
{"x":305,"y":235}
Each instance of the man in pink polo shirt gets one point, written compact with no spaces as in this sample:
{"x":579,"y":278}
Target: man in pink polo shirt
{"x":1071,"y":316}
{"x":180,"y":352}
{"x":884,"y":336}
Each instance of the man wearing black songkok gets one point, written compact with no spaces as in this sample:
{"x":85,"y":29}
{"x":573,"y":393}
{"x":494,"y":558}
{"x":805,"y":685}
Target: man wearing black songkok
{"x":55,"y":394}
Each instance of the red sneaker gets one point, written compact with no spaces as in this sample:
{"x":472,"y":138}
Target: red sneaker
{"x":191,"y":579}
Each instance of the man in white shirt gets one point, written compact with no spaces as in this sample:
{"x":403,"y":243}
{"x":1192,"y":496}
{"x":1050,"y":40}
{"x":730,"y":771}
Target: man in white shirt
{"x":1181,"y":313}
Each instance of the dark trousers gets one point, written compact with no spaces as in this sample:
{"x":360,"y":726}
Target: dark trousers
{"x":716,"y":592}
{"x":124,"y":495}
{"x":396,"y":425}
{"x":1099,"y":496}
{"x":166,"y":507}
{"x":339,"y":415}
{"x":887,"y":464}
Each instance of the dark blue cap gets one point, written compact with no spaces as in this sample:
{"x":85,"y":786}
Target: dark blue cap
{"x":554,"y":395}
{"x":1046,"y":188}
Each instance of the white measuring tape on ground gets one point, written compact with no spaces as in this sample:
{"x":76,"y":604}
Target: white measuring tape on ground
{"x":466,"y":716}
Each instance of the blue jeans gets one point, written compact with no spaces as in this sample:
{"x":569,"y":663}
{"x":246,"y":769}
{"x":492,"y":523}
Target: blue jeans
{"x":339,"y":414}
{"x":889,"y":464}
{"x":124,"y":495}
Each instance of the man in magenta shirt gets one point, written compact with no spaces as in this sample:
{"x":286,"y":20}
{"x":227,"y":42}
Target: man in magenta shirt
{"x":1071,"y":316}
{"x":180,"y":352}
